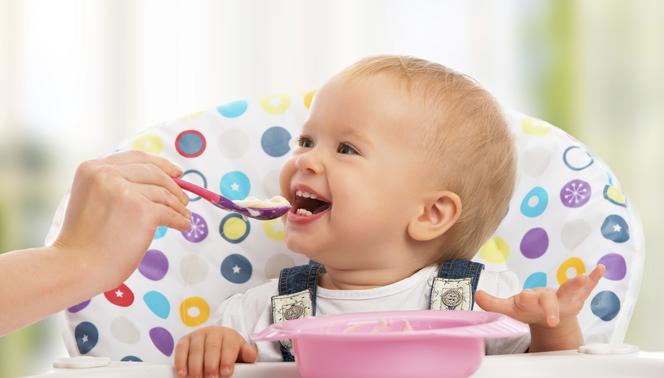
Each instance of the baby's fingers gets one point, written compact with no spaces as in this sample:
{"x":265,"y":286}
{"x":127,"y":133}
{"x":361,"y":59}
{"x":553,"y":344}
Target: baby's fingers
{"x":229,"y":355}
{"x":548,"y":301}
{"x":196,"y":350}
{"x":212,"y":354}
{"x":181,"y":356}
{"x":494,"y":304}
{"x":597,"y":274}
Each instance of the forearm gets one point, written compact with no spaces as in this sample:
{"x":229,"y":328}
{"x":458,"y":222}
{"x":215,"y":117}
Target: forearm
{"x":35,"y":283}
{"x":566,"y":335}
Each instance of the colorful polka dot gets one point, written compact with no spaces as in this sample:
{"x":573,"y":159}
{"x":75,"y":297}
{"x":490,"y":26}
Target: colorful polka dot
{"x":274,"y":229}
{"x":157,"y":303}
{"x":76,"y":308}
{"x":577,"y":159}
{"x":535,"y":127}
{"x":537,"y":279}
{"x":308,"y":98}
{"x":163,"y":340}
{"x":193,"y":269}
{"x":575,"y":193}
{"x":572,"y":265}
{"x":534,"y":243}
{"x":275,"y":141}
{"x":495,"y":251}
{"x":276,"y":104}
{"x":236,"y":269}
{"x":154,"y":265}
{"x":535,"y":202}
{"x":195,"y":177}
{"x":233,"y":109}
{"x":605,"y":305}
{"x":616,"y":267}
{"x":160,"y":232}
{"x":124,"y":330}
{"x":87,"y":336}
{"x":615,"y":229}
{"x":198,"y":231}
{"x":194,"y":311}
{"x":150,"y":143}
{"x":615,"y":196}
{"x":190,"y":143}
{"x":121,"y":296}
{"x":131,"y":359}
{"x":234,"y":228}
{"x":235,"y":185}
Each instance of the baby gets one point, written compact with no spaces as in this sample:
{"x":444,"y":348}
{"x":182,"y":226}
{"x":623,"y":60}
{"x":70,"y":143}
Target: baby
{"x":404,"y":168}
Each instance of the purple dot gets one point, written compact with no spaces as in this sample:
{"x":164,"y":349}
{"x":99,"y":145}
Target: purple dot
{"x":198,"y":230}
{"x":162,"y":339}
{"x":575,"y":193}
{"x":154,"y":265}
{"x":78,"y":307}
{"x":534,"y":243}
{"x":616,"y":268}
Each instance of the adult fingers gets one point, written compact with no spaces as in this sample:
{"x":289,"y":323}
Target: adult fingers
{"x":181,"y":356}
{"x":159,"y":194}
{"x":166,"y":216}
{"x":149,"y":174}
{"x":212,"y":354}
{"x":132,"y":157}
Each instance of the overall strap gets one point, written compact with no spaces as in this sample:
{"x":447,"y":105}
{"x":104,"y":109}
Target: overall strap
{"x":454,"y":287}
{"x":297,"y":298}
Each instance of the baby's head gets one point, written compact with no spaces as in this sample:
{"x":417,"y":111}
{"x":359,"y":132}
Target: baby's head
{"x":402,"y":162}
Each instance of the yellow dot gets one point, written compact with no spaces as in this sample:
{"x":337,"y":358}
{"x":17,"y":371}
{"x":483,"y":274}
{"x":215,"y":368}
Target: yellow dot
{"x":616,"y":195}
{"x":234,"y":228}
{"x":194,"y":311}
{"x":495,"y":250}
{"x":574,"y":263}
{"x":191,"y":116}
{"x":276,"y":104}
{"x":308,"y":98}
{"x":150,"y":143}
{"x":274,"y":229}
{"x":535,"y":127}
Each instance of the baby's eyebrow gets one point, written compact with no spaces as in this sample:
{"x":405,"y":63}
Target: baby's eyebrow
{"x":354,"y":134}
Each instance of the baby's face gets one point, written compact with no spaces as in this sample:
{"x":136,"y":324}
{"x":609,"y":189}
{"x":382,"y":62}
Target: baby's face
{"x":357,"y":176}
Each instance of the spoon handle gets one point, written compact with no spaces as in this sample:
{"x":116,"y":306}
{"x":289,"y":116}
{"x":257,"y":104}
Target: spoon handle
{"x":208,"y":195}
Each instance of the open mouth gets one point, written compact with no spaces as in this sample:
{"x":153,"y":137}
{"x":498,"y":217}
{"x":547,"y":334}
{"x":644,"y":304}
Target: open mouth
{"x":308,"y":204}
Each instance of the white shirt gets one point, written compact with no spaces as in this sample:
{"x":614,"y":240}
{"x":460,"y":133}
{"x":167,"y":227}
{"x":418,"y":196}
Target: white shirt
{"x":251,"y":312}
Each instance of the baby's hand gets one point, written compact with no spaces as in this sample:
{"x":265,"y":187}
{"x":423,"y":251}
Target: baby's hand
{"x":212,"y":351}
{"x":545,"y":307}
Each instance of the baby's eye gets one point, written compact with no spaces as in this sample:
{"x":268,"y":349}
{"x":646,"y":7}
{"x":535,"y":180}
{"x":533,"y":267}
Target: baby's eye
{"x":305,"y":142}
{"x":347,"y":149}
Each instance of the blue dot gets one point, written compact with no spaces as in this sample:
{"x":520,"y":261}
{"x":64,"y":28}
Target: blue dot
{"x":235,"y":185}
{"x":535,"y":202}
{"x":190,"y":143}
{"x":195,"y":177}
{"x":233,"y":109}
{"x":615,"y":229}
{"x":131,"y":359}
{"x":160,"y":233}
{"x":537,"y":279}
{"x":236,"y":268}
{"x":275,"y":141}
{"x":86,"y":335}
{"x":157,"y":303}
{"x":605,"y":305}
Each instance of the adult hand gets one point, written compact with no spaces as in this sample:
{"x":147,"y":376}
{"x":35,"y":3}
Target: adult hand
{"x":115,"y":207}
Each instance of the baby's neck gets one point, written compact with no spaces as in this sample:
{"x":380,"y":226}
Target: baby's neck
{"x":338,"y":279}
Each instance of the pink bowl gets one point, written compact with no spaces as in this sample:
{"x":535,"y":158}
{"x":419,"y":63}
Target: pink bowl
{"x":392,"y":344}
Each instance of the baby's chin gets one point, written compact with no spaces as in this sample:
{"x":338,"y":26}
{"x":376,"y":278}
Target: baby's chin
{"x":303,"y":247}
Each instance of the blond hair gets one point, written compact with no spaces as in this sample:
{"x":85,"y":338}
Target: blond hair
{"x":471,"y":145}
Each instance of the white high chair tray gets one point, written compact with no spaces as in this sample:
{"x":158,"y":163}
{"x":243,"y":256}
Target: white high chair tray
{"x":551,"y":364}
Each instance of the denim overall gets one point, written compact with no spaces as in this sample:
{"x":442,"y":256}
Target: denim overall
{"x":452,"y":289}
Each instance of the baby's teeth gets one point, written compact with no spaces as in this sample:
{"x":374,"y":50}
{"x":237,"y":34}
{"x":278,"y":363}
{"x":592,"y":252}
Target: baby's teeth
{"x":304,"y":212}
{"x":305,"y":194}
{"x":298,"y":193}
{"x":312,"y":196}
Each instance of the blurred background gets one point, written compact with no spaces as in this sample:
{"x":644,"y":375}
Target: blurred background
{"x":79,"y":76}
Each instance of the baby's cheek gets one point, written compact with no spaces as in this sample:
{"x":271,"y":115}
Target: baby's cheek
{"x":285,"y":176}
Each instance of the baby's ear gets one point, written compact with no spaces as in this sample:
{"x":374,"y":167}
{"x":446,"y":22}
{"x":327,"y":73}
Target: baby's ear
{"x":436,"y":215}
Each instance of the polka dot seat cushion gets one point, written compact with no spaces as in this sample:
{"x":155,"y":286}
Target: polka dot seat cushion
{"x":568,"y":214}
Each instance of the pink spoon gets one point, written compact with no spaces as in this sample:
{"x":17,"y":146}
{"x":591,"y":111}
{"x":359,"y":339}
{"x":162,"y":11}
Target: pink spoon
{"x":261,"y":213}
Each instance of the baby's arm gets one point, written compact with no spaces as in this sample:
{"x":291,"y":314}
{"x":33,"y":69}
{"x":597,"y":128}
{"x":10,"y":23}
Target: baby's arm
{"x":550,"y":313}
{"x":212,"y":351}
